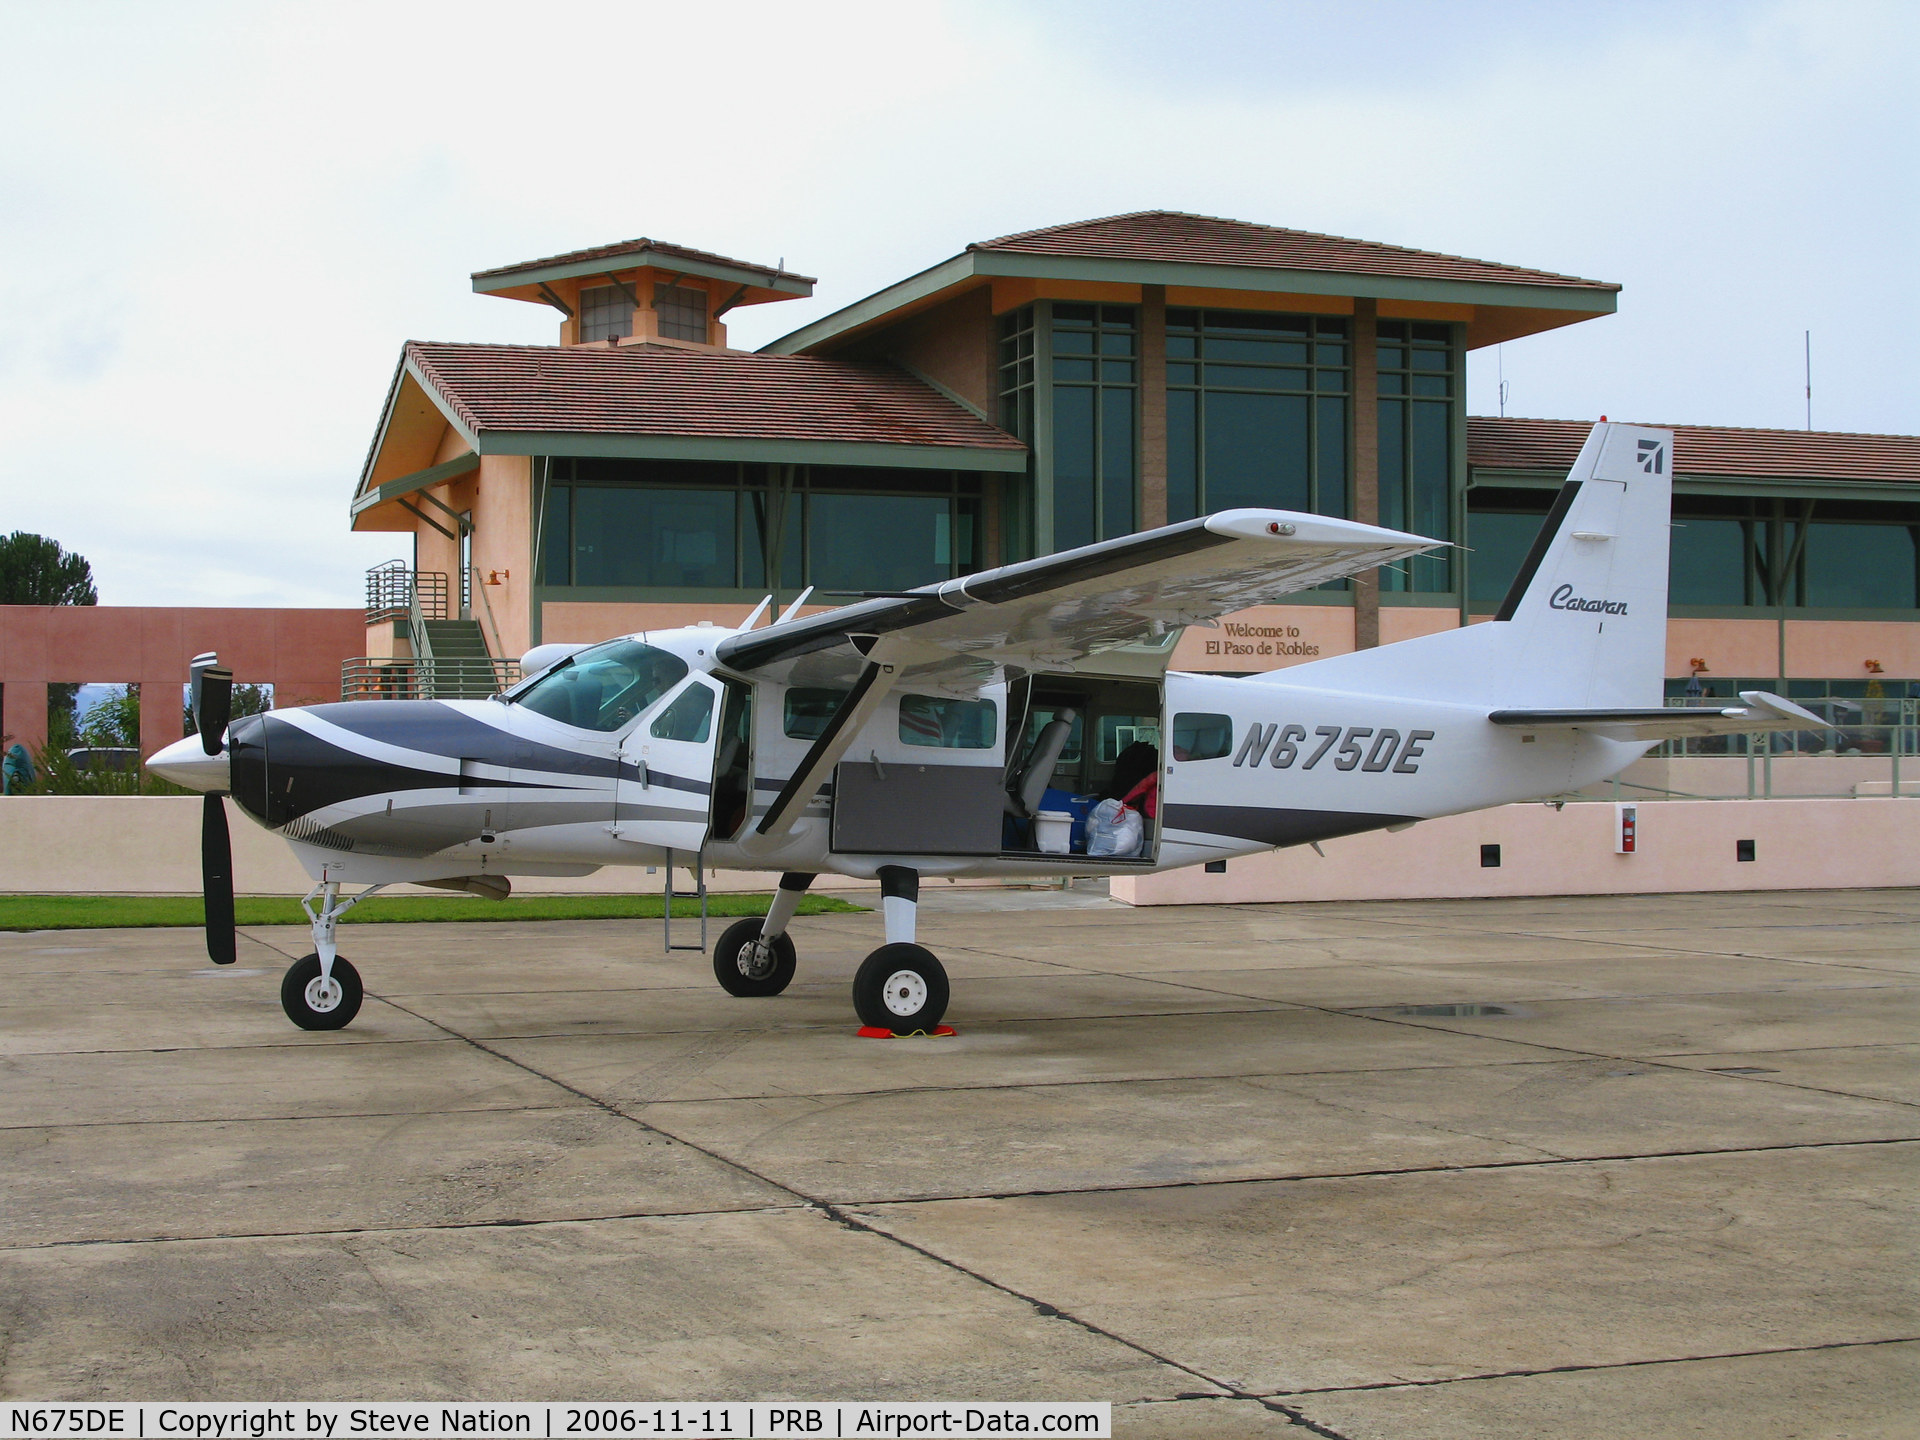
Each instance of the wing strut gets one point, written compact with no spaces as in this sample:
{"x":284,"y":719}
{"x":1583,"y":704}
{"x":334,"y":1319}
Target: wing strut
{"x":876,"y":680}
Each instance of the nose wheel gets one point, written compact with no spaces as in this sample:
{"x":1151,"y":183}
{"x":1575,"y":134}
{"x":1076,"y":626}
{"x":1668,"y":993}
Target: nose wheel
{"x":314,"y":1001}
{"x":747,"y":962}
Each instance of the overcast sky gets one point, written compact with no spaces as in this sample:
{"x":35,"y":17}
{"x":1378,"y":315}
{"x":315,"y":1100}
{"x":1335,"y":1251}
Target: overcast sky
{"x":219,"y":222}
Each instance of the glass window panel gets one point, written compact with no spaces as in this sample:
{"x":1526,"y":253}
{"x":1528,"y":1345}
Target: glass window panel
{"x":1863,"y":566}
{"x":1392,"y":357}
{"x":1432,"y":360}
{"x":1183,"y":319}
{"x":1182,"y":347}
{"x":1256,"y":450}
{"x":1326,"y":326}
{"x":1331,"y":437}
{"x":1254,"y":320}
{"x":1182,"y":374}
{"x":1707,"y":562}
{"x":1329,"y":354}
{"x":1116,"y":344}
{"x":875,"y":542}
{"x":808,"y":710}
{"x":1200,"y":736}
{"x":1273,"y":352}
{"x":1183,"y":477}
{"x":1442,"y":333}
{"x":1391,"y":329}
{"x":1073,"y":342}
{"x":1330,"y":380}
{"x":639,"y":536}
{"x":1082,"y":313}
{"x":1500,"y":541}
{"x":1067,"y":369}
{"x":1393,"y":384}
{"x":604,"y":687}
{"x":948,"y":723}
{"x":1073,"y":441}
{"x":754,"y":521}
{"x":1117,"y":370}
{"x":1117,"y":732}
{"x":1255,"y":377}
{"x":605,"y":313}
{"x":1430,"y":384}
{"x":556,"y":537}
{"x":1393,"y":472}
{"x":1116,"y":463}
{"x":1121,"y":315}
{"x":689,"y":717}
{"x":682,"y":310}
{"x":1430,"y":451}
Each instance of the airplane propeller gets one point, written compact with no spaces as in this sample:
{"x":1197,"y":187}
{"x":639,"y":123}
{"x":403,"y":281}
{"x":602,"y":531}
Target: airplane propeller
{"x":212,"y":705}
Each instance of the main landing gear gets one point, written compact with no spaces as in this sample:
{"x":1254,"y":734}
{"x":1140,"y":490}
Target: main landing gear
{"x":900,"y":988}
{"x":322,"y":991}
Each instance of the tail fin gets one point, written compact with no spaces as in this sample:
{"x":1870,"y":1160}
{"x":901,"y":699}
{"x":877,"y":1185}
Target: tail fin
{"x":1585,"y":622}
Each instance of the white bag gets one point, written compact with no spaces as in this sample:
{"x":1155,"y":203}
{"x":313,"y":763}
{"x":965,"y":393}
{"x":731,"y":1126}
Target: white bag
{"x":1115,"y":830}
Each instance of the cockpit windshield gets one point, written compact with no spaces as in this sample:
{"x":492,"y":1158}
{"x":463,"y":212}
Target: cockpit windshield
{"x":605,"y":687}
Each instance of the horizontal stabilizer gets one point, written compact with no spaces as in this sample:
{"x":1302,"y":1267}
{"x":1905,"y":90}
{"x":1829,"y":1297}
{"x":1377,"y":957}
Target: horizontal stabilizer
{"x":1760,"y":712}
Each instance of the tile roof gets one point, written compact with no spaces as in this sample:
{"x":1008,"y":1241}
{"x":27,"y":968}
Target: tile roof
{"x":1515,"y":444}
{"x":1208,"y":240}
{"x":631,"y":247}
{"x":668,"y":391}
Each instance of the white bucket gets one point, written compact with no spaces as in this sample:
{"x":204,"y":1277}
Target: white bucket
{"x":1053,"y":832}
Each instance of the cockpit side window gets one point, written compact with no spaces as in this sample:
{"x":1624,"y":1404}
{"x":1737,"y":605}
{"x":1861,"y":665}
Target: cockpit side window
{"x":605,"y":687}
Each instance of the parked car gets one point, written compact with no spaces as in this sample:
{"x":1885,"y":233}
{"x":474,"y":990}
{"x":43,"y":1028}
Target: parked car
{"x":105,"y":757}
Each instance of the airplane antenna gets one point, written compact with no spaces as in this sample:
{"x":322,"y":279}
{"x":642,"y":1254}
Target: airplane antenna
{"x":1809,"y":360}
{"x":1500,"y":355}
{"x":758,"y":611}
{"x":794,"y":608}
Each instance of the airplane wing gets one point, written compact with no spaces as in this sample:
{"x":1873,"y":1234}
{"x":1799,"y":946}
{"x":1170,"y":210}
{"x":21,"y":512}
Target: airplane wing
{"x":1760,"y":712}
{"x":1059,"y":611}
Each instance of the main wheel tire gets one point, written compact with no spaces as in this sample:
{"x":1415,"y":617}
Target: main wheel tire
{"x":746,"y":965}
{"x":314,"y":1006}
{"x":901,"y":988}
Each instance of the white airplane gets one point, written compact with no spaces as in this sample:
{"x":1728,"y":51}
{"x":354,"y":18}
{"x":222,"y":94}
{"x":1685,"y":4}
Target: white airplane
{"x":918,"y":734}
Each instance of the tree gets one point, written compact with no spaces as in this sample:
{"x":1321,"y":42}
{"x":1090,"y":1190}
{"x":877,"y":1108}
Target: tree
{"x":115,"y":721}
{"x":37,"y":571}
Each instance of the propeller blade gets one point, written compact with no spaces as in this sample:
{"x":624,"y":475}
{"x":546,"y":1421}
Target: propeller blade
{"x":216,"y":879}
{"x":212,"y":699}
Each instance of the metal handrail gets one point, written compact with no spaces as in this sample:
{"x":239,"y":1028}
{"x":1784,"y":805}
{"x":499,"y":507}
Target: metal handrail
{"x":394,"y":591}
{"x":373,"y":677}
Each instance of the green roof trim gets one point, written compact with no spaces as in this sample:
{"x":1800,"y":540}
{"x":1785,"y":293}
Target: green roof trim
{"x":724,"y":447}
{"x":1807,"y":488}
{"x":418,"y":480}
{"x":487,"y":284}
{"x":989,"y":264}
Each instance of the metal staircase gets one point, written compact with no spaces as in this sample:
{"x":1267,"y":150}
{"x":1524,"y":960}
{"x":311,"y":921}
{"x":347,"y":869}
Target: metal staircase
{"x":450,"y":659}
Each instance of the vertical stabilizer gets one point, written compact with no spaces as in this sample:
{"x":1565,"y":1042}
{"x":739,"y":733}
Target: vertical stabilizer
{"x":1585,"y":622}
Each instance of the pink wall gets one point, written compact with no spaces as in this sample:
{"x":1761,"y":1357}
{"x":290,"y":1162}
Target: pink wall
{"x":1684,"y":845}
{"x":298,"y":652}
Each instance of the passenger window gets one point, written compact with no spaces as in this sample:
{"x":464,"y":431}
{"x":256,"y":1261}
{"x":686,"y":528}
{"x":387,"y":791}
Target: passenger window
{"x":690,"y":717}
{"x":605,"y":687}
{"x":1201,"y":737}
{"x":947,"y":723}
{"x":808,"y":712}
{"x":1117,"y":732}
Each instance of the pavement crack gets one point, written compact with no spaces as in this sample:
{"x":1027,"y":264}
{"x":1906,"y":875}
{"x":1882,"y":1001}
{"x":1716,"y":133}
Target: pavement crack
{"x":1599,"y":1365}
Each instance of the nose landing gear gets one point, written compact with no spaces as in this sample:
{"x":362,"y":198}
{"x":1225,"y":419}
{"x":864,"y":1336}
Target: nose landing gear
{"x":756,"y":957}
{"x":322,"y":991}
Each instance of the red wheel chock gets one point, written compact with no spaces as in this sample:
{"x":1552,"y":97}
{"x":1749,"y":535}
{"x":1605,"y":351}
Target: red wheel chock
{"x":874,"y":1032}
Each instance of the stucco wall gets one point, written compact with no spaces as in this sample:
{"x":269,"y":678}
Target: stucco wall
{"x":1684,"y":845}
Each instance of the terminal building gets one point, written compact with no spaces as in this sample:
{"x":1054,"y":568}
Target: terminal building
{"x":1047,"y":389}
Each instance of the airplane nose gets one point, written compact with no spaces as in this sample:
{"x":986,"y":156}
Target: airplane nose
{"x":186,"y":762}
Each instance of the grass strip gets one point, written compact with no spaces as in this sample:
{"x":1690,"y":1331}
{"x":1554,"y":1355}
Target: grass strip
{"x":117,"y":912}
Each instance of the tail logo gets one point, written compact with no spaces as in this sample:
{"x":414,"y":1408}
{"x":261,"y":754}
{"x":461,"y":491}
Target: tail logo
{"x":1653,"y":457}
{"x":1564,"y":599}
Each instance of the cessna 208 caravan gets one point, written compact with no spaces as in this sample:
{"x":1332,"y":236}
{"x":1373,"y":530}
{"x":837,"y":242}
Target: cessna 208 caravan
{"x":919,"y":734}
